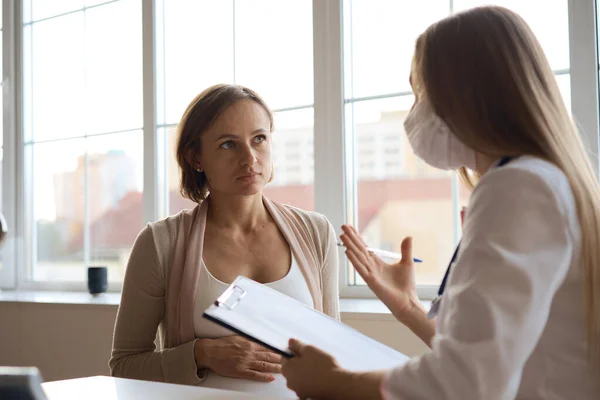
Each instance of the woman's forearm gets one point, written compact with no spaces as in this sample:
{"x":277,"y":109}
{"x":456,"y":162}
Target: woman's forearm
{"x":424,"y":328}
{"x":172,"y":365}
{"x":201,"y":354}
{"x":416,"y":320}
{"x":348,"y":385}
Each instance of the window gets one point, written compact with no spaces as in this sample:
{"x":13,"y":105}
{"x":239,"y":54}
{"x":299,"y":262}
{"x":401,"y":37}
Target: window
{"x":377,"y":95}
{"x":87,"y":144}
{"x":394,"y":200}
{"x":237,"y":37}
{"x":82,"y":109}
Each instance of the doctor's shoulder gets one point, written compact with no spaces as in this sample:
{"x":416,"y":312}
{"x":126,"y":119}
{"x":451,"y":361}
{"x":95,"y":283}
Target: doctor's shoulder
{"x":528,"y":175}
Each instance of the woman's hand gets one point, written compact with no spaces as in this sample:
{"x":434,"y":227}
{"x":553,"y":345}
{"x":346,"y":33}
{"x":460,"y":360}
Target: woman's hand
{"x":237,"y":357}
{"x":393,"y":284}
{"x":311,"y":372}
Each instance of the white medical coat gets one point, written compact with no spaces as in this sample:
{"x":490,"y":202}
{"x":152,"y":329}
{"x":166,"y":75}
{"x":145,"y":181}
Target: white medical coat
{"x":511,"y":321}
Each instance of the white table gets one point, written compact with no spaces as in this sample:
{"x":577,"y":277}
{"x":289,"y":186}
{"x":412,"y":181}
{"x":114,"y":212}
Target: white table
{"x":107,"y":388}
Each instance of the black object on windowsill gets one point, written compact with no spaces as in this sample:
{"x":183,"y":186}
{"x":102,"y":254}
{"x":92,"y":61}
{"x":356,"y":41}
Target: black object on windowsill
{"x":97,"y":280}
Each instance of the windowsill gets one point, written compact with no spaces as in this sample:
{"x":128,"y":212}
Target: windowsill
{"x":350,"y":308}
{"x":59,"y":297}
{"x":369,"y":307}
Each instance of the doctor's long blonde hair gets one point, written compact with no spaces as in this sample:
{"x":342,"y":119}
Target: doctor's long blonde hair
{"x":486,"y":76}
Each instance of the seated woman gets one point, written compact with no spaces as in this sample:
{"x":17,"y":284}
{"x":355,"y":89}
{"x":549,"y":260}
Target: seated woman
{"x":180,"y":265}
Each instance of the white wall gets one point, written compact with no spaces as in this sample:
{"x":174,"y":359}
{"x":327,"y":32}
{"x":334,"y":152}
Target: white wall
{"x":73,"y":340}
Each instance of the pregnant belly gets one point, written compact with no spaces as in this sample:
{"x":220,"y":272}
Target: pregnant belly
{"x":276,"y":389}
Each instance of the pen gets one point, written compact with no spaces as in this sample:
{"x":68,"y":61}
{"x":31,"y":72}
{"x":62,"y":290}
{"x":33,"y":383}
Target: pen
{"x":390,"y":255}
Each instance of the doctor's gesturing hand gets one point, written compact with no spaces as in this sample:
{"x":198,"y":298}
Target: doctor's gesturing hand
{"x":393,"y":284}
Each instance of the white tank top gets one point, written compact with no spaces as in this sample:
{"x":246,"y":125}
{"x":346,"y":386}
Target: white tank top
{"x":209,"y":289}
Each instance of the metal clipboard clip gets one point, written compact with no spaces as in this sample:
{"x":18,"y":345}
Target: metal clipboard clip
{"x":231,"y":297}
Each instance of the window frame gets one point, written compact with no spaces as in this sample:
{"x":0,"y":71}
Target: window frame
{"x":12,"y":187}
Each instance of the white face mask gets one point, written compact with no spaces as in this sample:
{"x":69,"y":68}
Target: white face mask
{"x":433,"y":141}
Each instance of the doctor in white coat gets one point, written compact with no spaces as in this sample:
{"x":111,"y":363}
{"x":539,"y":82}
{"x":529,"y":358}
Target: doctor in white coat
{"x":518,"y":315}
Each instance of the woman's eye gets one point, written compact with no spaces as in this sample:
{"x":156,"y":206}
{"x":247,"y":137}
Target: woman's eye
{"x":260,"y":138}
{"x":227,"y":145}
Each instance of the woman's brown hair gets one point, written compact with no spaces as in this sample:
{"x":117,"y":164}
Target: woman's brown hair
{"x":199,"y":115}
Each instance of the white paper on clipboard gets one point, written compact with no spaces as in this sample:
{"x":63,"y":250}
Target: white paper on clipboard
{"x":271,"y":318}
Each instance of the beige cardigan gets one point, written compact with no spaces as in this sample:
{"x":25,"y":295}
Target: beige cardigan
{"x":161,"y":282}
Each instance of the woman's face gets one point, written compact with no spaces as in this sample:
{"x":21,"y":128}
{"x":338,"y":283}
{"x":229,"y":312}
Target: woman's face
{"x":235,"y":151}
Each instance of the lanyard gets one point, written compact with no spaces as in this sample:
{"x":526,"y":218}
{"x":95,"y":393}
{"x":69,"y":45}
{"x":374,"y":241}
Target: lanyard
{"x":435,"y":304}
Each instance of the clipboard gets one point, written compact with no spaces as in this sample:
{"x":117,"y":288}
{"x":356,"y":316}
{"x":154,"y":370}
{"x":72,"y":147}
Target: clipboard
{"x":271,"y":318}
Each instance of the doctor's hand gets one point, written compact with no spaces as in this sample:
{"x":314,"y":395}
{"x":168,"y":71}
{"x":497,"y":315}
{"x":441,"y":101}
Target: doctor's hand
{"x":311,"y":372}
{"x":314,"y":374}
{"x":237,"y":357}
{"x":393,"y":284}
